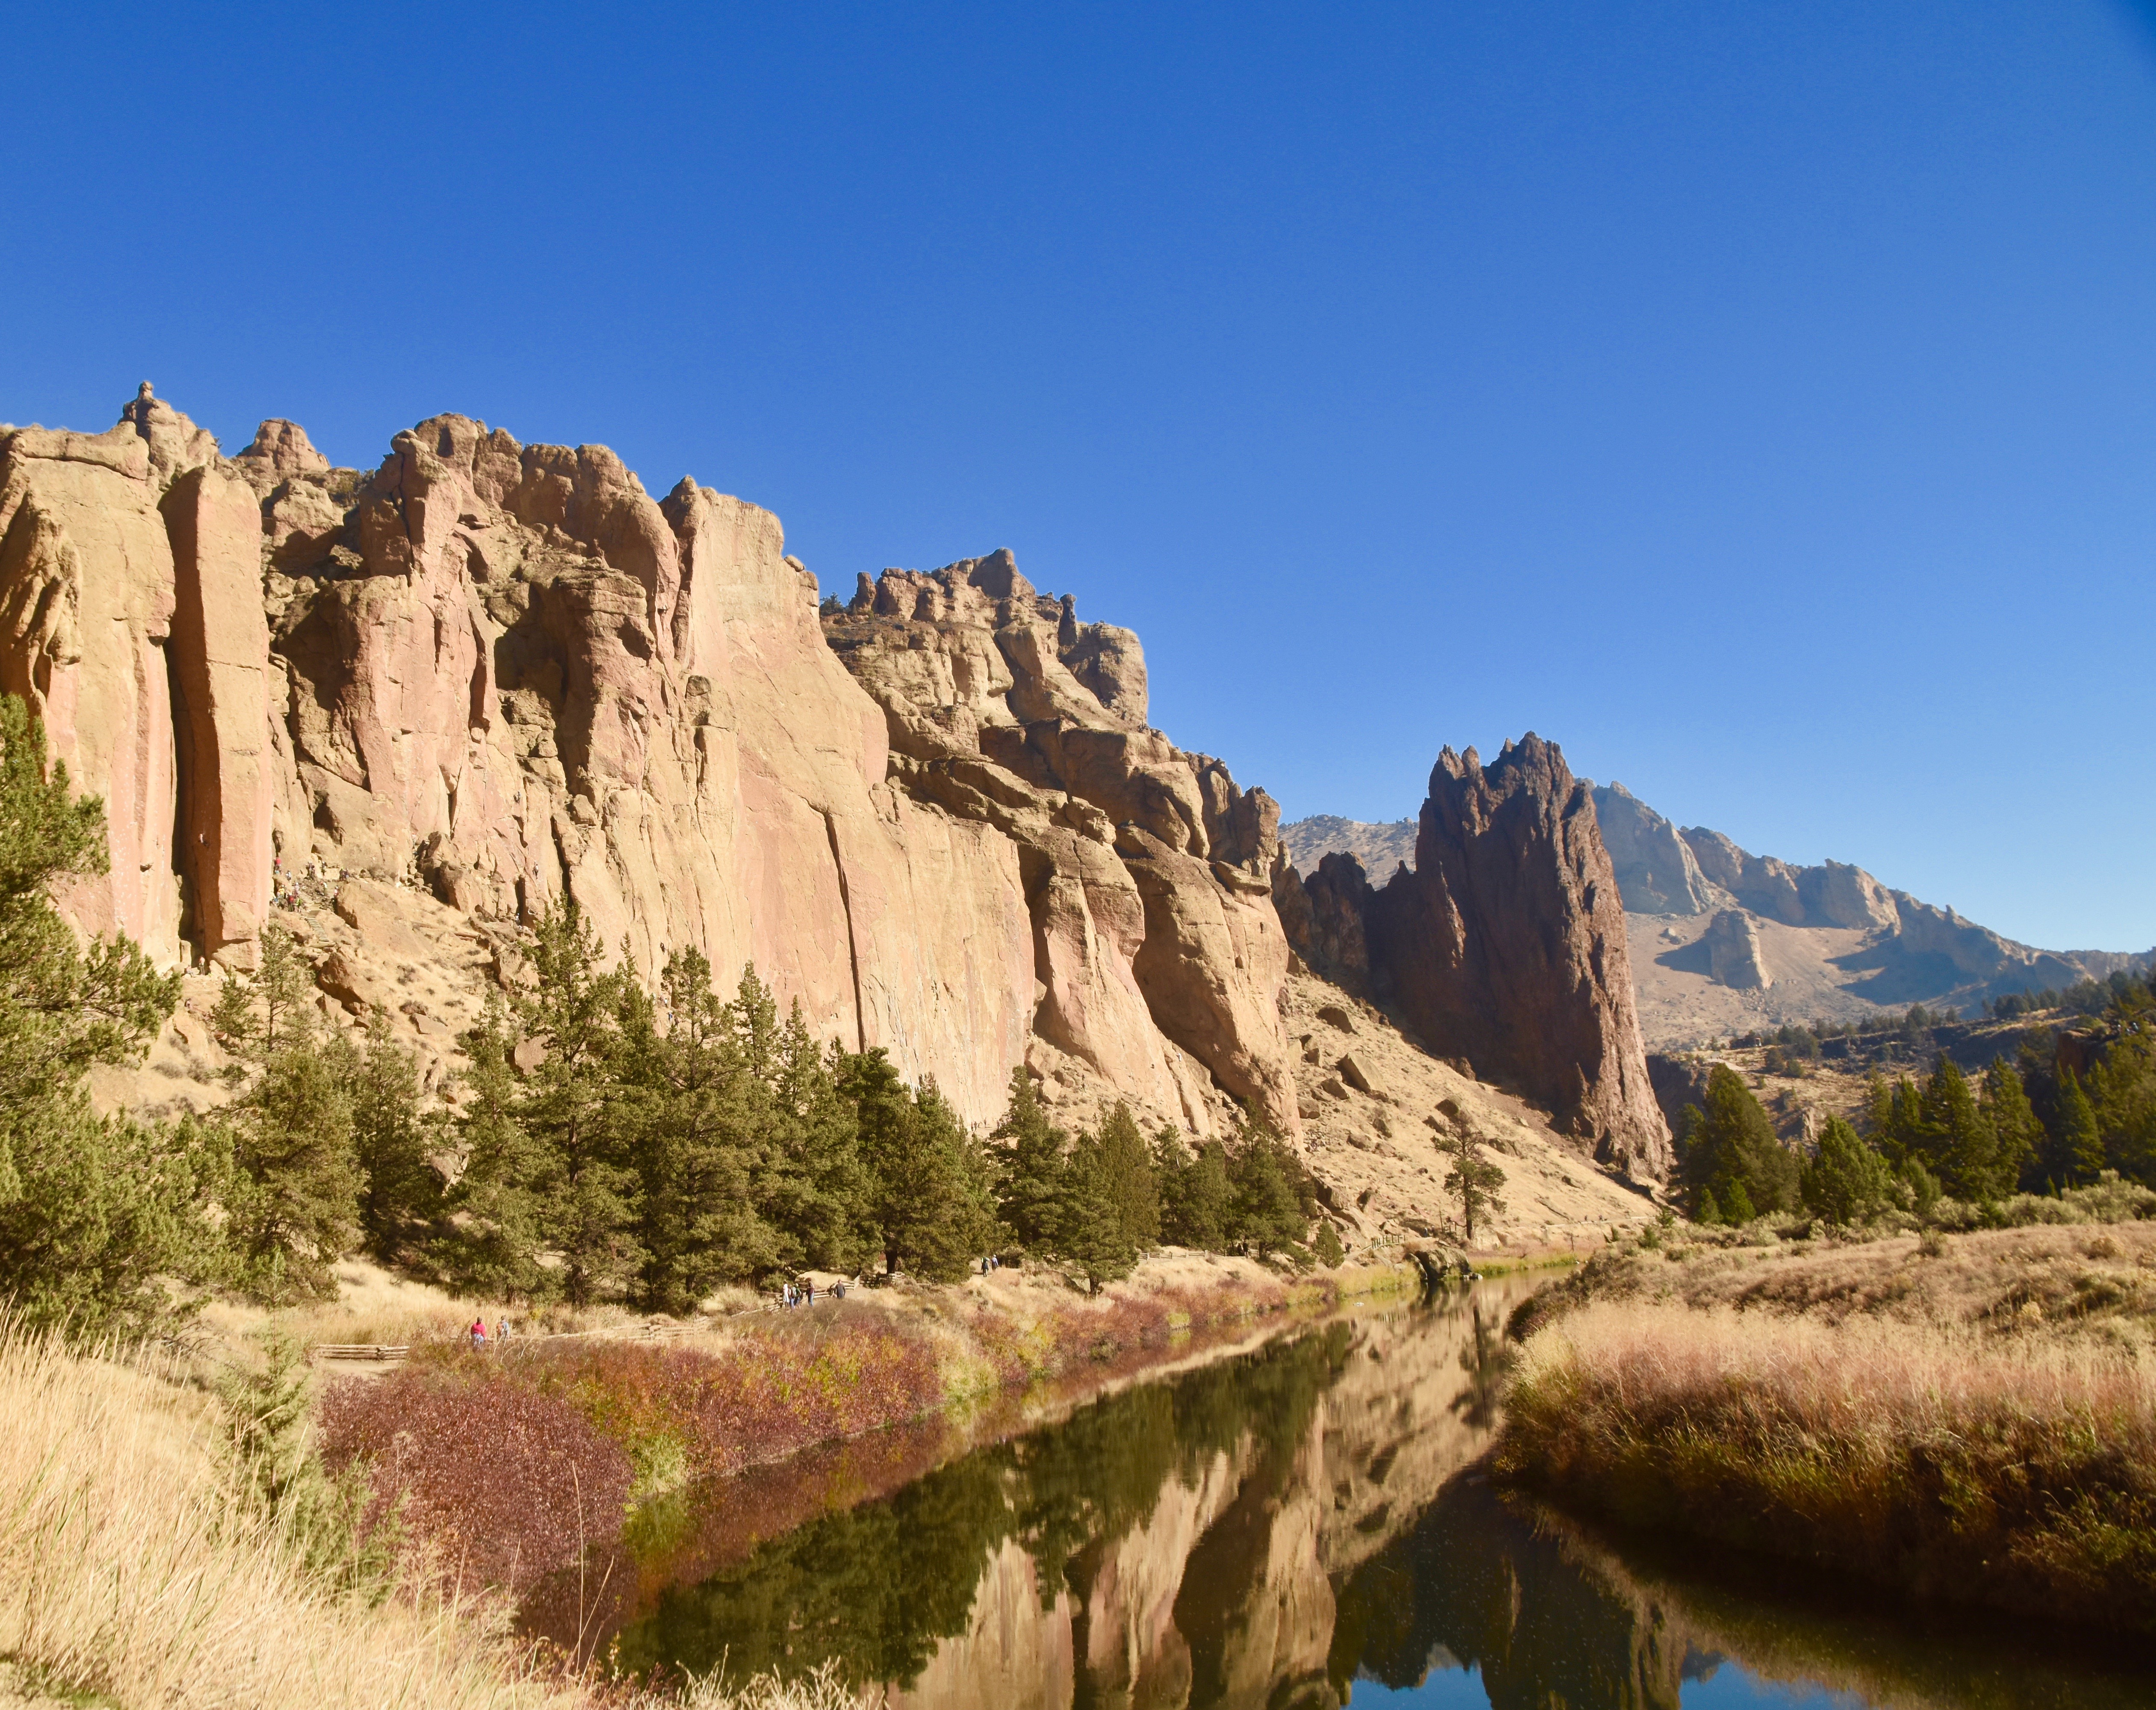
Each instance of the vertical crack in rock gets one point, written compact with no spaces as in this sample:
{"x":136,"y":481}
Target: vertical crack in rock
{"x":853,"y":948}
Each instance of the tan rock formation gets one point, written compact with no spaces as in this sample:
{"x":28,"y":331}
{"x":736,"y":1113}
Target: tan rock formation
{"x":86,"y":603}
{"x":1155,"y":954}
{"x":219,"y":662}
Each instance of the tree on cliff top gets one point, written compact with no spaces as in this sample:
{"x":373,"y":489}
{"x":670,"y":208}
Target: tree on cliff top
{"x":93,"y":1209}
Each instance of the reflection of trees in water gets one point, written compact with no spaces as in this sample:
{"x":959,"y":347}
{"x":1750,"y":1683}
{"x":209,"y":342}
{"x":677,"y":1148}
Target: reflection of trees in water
{"x":879,"y":1585}
{"x":1547,"y":1615}
{"x":1486,"y":1357}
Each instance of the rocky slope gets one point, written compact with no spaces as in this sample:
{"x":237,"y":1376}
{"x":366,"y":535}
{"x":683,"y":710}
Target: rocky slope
{"x":1504,"y":944}
{"x":1380,"y":848}
{"x":403,"y":711}
{"x":1724,"y":940}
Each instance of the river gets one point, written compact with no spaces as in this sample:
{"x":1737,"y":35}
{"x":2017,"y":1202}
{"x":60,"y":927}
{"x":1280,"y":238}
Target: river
{"x":1292,"y":1528}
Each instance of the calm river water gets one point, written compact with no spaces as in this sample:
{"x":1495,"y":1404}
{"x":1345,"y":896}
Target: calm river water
{"x":1291,"y":1529}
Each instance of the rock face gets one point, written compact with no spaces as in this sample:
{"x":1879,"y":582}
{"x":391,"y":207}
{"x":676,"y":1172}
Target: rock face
{"x":508,"y":676}
{"x":1505,"y":945}
{"x":1155,"y":958}
{"x":1656,"y":871}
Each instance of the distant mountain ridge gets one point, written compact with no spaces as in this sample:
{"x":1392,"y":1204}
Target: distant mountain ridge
{"x":1724,"y":940}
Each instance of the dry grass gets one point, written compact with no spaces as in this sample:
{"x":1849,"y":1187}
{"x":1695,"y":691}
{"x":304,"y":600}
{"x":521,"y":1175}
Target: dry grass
{"x":126,"y":1571}
{"x":1955,"y":1463}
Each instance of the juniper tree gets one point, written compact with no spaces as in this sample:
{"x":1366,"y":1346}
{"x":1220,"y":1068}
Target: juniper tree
{"x":1029,"y":1186}
{"x":1194,"y":1191}
{"x":93,"y":1210}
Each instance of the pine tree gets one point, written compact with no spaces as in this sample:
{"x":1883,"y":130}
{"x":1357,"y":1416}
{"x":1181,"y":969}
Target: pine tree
{"x":1961,"y":1135}
{"x":1127,"y":1170}
{"x":1472,"y":1177}
{"x":1268,"y":1207}
{"x":391,"y":1140}
{"x":931,"y":1198}
{"x":1029,"y":1187}
{"x":1730,"y":1144}
{"x":1094,"y":1233}
{"x":1739,"y":1204}
{"x":1847,"y":1181}
{"x":296,"y":1191}
{"x":697,"y":1226}
{"x":93,"y":1210}
{"x":2079,"y":1141}
{"x":1326,"y":1244}
{"x":568,"y":1107}
{"x":1194,"y":1191}
{"x":2018,"y":1136}
{"x":506,"y":1176}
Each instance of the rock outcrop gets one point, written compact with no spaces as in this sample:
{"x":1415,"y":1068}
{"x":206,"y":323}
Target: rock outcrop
{"x":1733,"y":957}
{"x":1157,"y":958}
{"x":1656,"y":871}
{"x":1505,"y":945}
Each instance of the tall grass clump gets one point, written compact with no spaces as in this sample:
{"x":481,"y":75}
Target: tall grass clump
{"x":135,"y":1564}
{"x":2005,"y":1472}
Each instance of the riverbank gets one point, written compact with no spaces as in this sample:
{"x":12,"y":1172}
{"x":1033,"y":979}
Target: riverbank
{"x":510,"y":1465}
{"x":1967,"y":1418}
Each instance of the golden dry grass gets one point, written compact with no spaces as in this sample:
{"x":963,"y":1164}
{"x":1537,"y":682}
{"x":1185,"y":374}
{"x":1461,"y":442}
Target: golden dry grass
{"x":2013,"y":1471}
{"x":126,"y":1570}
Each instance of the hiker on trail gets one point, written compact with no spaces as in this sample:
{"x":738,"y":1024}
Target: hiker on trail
{"x":479,"y":1334}
{"x":501,"y":1330}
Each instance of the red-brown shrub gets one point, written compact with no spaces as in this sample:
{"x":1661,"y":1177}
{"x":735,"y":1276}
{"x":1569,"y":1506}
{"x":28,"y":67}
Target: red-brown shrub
{"x":503,"y":1483}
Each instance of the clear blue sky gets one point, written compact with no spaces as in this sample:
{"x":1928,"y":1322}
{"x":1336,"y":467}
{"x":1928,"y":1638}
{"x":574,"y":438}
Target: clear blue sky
{"x":1758,"y":399}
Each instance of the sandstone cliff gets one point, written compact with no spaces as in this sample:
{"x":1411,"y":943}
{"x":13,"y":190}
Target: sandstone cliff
{"x":1504,"y":944}
{"x":1157,"y":959}
{"x":505,"y":674}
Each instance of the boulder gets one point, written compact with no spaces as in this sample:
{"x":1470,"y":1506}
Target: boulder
{"x":1734,"y":957}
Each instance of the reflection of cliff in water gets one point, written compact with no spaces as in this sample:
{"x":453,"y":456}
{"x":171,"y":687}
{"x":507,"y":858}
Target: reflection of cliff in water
{"x":1261,"y":1534}
{"x":1175,"y":1544}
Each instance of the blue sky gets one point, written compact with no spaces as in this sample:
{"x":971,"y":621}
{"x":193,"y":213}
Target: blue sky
{"x":1759,"y":400}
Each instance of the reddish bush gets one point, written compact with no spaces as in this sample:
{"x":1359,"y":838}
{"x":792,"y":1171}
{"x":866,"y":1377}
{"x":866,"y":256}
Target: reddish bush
{"x":504,"y":1483}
